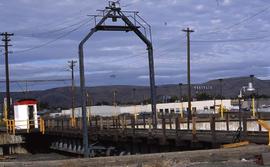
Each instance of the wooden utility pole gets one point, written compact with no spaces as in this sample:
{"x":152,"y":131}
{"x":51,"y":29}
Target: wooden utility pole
{"x":188,"y":31}
{"x":221,"y":98}
{"x":114,"y":102}
{"x":71,"y":66}
{"x":6,"y":40}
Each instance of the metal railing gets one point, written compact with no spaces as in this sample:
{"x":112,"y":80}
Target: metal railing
{"x":13,"y":126}
{"x":10,"y":126}
{"x":230,"y":122}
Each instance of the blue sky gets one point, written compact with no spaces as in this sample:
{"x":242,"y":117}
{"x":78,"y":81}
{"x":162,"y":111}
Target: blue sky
{"x":231,"y":39}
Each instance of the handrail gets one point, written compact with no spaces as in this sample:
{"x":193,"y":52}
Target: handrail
{"x":10,"y":126}
{"x":41,"y":125}
{"x":266,"y":126}
{"x":174,"y":123}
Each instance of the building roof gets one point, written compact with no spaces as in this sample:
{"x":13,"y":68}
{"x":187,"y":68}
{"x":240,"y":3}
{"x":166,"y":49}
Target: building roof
{"x":26,"y":102}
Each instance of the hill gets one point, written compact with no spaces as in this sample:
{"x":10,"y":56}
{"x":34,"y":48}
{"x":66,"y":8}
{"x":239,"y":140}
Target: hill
{"x":61,"y":97}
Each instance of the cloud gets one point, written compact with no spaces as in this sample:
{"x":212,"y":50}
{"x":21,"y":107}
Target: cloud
{"x":226,"y":2}
{"x":215,"y":21}
{"x":199,"y":7}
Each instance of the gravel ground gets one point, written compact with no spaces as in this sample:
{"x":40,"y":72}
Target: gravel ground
{"x":34,"y":157}
{"x":236,"y":157}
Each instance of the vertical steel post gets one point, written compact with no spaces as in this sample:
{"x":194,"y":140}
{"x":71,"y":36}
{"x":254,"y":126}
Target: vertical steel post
{"x":151,"y":67}
{"x":83,"y":93}
{"x":82,"y":85}
{"x":240,"y":113}
{"x":153,"y":86}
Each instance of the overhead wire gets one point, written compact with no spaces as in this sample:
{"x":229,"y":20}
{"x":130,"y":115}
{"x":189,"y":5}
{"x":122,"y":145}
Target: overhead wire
{"x":257,"y":39}
{"x":230,"y":27}
{"x":61,"y":22}
{"x":38,"y":80}
{"x":20,"y":87}
{"x":243,"y":20}
{"x":54,"y":40}
{"x":34,"y":82}
{"x":54,"y":30}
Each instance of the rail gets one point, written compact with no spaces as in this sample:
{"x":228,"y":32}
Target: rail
{"x":170,"y":121}
{"x":266,"y":126}
{"x":10,"y":126}
{"x":24,"y":126}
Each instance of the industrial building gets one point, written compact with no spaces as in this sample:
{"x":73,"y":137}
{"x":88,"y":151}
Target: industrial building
{"x":200,"y":106}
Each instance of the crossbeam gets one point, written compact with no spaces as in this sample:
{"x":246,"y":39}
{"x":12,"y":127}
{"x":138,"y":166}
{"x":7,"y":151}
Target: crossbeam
{"x":116,"y":28}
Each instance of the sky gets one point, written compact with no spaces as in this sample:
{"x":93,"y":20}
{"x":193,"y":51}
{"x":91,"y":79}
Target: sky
{"x":231,"y":39}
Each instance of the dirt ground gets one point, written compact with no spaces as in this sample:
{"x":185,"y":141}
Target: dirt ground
{"x":236,"y":157}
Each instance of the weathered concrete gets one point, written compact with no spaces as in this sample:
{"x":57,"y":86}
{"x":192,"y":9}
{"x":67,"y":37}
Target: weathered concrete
{"x":12,"y":144}
{"x":216,"y":157}
{"x":266,"y":158}
{"x":6,"y":139}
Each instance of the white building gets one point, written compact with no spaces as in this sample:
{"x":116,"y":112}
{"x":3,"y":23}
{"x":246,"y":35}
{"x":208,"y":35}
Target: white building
{"x":25,"y":114}
{"x":201,"y":107}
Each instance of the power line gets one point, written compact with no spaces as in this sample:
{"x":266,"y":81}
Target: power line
{"x":61,"y":22}
{"x":54,"y":30}
{"x":232,"y":40}
{"x":38,"y":80}
{"x":54,"y":40}
{"x":20,"y":87}
{"x":34,"y":82}
{"x":248,"y":18}
{"x":245,"y":19}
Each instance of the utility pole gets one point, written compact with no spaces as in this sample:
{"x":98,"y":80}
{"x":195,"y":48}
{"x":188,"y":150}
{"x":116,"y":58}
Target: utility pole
{"x":188,"y":31}
{"x":6,"y":40}
{"x":221,"y":98}
{"x":253,"y":97}
{"x":181,"y":101}
{"x":71,"y":66}
{"x":134,"y":102}
{"x":114,"y":102}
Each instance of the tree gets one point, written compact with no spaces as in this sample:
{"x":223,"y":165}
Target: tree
{"x":43,"y":105}
{"x":173,"y":99}
{"x":102,"y":103}
{"x":203,"y":96}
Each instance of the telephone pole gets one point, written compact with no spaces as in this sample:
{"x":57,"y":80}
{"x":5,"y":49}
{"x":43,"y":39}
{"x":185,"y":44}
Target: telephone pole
{"x":221,"y":98}
{"x":114,"y":102}
{"x":188,"y":31}
{"x":71,"y":66}
{"x":6,"y":40}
